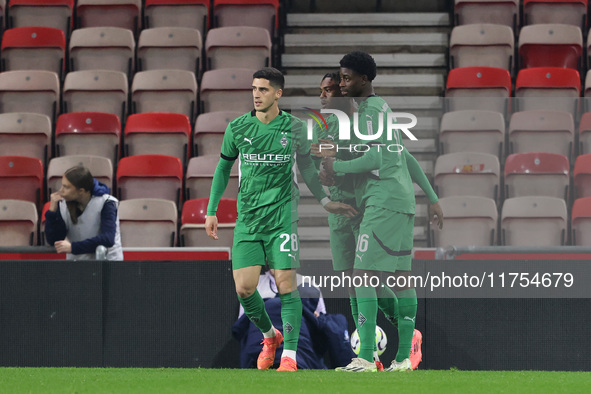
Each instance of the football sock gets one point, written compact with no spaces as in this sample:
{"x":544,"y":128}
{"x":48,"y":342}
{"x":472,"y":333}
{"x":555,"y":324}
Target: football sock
{"x":366,"y":321}
{"x":270,"y":333}
{"x":291,"y":315}
{"x":388,"y":303}
{"x":289,"y":353}
{"x":354,"y":309}
{"x":254,"y":308}
{"x":407,"y":309}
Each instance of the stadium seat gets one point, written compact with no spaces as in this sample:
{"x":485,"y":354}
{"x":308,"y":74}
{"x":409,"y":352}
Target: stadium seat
{"x":33,"y":91}
{"x":227,"y":89}
{"x":582,"y":176}
{"x":150,"y":176}
{"x":158,"y":133}
{"x":192,"y":14}
{"x":113,"y":13}
{"x":585,"y":134}
{"x":249,"y":47}
{"x":469,"y":221}
{"x":534,"y":221}
{"x":482,"y":44}
{"x":42,"y":240}
{"x":500,"y":12}
{"x":173,"y":91}
{"x":569,"y":12}
{"x":257,"y":13}
{"x":472,"y":131}
{"x":21,"y":178}
{"x":48,"y":13}
{"x":25,"y":134}
{"x":200,"y":175}
{"x":18,"y":223}
{"x":102,"y":48}
{"x":209,"y":131}
{"x":170,"y":48}
{"x":193,"y":223}
{"x":550,"y":45}
{"x":542,"y":131}
{"x":88,"y":133}
{"x":553,"y":88}
{"x":482,"y":88}
{"x":467,"y":174}
{"x":148,"y":222}
{"x":34,"y":48}
{"x":100,"y":167}
{"x":581,"y":222}
{"x":537,"y":174}
{"x":96,"y":91}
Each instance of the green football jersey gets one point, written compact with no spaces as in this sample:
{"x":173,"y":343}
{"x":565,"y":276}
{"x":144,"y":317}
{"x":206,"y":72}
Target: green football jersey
{"x":266,"y":153}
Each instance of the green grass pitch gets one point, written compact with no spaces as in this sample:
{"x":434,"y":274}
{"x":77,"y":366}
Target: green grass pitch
{"x":132,"y":380}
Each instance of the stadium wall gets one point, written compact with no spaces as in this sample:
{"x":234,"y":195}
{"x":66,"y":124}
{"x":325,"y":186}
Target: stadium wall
{"x":180,"y":314}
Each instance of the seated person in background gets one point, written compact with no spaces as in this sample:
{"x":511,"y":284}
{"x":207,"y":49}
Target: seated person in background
{"x":83,"y":215}
{"x":320,"y":332}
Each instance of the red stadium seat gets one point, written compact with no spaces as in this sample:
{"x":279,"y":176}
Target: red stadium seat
{"x":21,"y":178}
{"x":158,"y":133}
{"x":88,"y":133}
{"x":551,"y":45}
{"x":257,"y":13}
{"x":581,"y":222}
{"x":227,"y":88}
{"x":582,"y":176}
{"x":209,"y":131}
{"x":42,"y":239}
{"x":48,"y":13}
{"x":553,"y":88}
{"x":148,"y":222}
{"x":25,"y":134}
{"x":200,"y":175}
{"x":469,"y":221}
{"x":483,"y":88}
{"x":468,"y":174}
{"x":114,"y":13}
{"x":177,"y":13}
{"x":100,"y":167}
{"x":150,"y":176}
{"x":193,"y":223}
{"x":500,"y":12}
{"x":249,"y":47}
{"x":537,"y":174}
{"x":585,"y":133}
{"x":18,"y":223}
{"x":34,"y":48}
{"x":569,"y":12}
{"x":170,"y":48}
{"x":472,"y":131}
{"x":542,"y":131}
{"x":534,"y":221}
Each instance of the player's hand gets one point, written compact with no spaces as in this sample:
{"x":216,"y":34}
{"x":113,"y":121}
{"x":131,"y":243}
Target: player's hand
{"x":327,"y":164}
{"x":54,"y":200}
{"x":341,"y":209}
{"x":328,"y":148}
{"x":325,"y":179}
{"x":436,"y":215}
{"x":63,"y":246}
{"x":211,"y":226}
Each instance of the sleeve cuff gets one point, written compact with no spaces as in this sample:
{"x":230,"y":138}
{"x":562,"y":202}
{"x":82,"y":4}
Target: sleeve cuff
{"x":325,"y":201}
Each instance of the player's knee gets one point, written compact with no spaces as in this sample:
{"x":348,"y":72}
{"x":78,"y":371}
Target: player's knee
{"x":244,"y":292}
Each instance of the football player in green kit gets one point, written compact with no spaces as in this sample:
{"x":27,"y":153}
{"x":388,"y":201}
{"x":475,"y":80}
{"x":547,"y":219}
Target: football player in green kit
{"x":267,"y":141}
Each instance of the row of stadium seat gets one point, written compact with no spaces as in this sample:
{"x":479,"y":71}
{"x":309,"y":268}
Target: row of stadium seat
{"x":144,"y":222}
{"x":113,"y":48}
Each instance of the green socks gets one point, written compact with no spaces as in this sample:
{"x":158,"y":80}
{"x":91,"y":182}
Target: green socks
{"x":254,"y":308}
{"x":407,"y":309}
{"x":366,"y":321}
{"x":388,"y":303}
{"x":291,"y":316}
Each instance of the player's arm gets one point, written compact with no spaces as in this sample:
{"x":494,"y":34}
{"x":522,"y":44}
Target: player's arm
{"x":221,"y":177}
{"x":371,"y":160}
{"x":418,"y":176}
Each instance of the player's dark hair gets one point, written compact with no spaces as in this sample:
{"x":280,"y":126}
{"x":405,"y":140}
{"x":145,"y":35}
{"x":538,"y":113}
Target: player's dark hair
{"x":334,"y":76}
{"x":360,"y":62}
{"x":81,"y":178}
{"x":274,"y":76}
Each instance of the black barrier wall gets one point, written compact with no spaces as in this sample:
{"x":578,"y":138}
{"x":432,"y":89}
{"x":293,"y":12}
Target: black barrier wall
{"x":180,"y":314}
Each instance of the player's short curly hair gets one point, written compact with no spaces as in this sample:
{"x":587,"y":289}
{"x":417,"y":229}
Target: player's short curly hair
{"x":334,"y":76}
{"x":275,"y":77}
{"x":360,"y":62}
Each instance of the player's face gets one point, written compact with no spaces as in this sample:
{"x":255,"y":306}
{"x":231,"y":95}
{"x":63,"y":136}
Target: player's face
{"x":328,"y":89}
{"x":351,"y":83}
{"x":70,"y":192}
{"x":264,"y":95}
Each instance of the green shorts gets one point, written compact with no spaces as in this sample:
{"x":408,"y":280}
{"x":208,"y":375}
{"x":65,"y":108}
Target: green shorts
{"x":280,"y":249}
{"x":343,"y":238}
{"x":385,"y":241}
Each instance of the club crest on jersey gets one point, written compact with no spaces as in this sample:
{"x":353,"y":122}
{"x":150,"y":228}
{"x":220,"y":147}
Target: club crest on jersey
{"x":283,"y":141}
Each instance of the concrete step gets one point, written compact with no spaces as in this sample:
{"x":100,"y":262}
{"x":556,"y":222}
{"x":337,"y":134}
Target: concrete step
{"x":333,"y":20}
{"x":383,"y":60}
{"x":367,"y":6}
